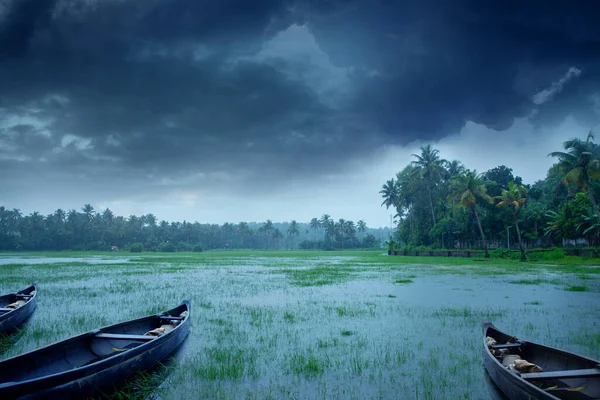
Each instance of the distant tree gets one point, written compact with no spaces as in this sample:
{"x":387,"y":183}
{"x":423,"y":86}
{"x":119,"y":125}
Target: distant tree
{"x":465,"y":190}
{"x":580,"y":164}
{"x":389,"y":192}
{"x":361,"y":226}
{"x":267,"y":228}
{"x":513,"y":197}
{"x":325,"y":220}
{"x":293,"y":231}
{"x":429,"y":166}
{"x":502,"y":175}
{"x":277,"y":236}
{"x":315,"y":225}
{"x":453,"y":168}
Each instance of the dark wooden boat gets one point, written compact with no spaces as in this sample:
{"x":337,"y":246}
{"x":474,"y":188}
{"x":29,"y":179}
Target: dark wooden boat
{"x":565,"y":375}
{"x":15,"y":308}
{"x":94,"y":362}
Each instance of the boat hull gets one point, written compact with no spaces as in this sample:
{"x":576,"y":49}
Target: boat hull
{"x":102,"y":376}
{"x":523,"y":386}
{"x":11,"y":320}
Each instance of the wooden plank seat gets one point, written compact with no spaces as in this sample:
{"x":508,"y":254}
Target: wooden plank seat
{"x":118,"y":336}
{"x":569,"y":373}
{"x":169,"y":318}
{"x":504,"y":346}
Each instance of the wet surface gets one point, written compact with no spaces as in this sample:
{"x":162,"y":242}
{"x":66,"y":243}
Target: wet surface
{"x":315,"y":327}
{"x":4,"y":260}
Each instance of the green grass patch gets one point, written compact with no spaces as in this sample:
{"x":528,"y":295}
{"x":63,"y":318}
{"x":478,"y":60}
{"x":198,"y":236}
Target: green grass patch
{"x":527,"y":281}
{"x":307,"y":365}
{"x":289,"y":317}
{"x":576,"y":288}
{"x":533,"y":303}
{"x":227,"y":363}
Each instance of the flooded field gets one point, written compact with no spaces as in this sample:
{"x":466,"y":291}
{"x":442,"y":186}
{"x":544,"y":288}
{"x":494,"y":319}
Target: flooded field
{"x":313,"y":325}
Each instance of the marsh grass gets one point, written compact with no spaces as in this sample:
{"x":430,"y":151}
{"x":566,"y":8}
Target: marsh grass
{"x":289,"y":317}
{"x":314,"y":324}
{"x":576,"y":288}
{"x":533,"y":303}
{"x":309,"y":364}
{"x":403,"y":281}
{"x":227,"y":363}
{"x":142,"y":386}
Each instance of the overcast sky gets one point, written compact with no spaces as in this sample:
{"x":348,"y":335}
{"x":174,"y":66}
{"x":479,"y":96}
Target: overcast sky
{"x":216,"y":111}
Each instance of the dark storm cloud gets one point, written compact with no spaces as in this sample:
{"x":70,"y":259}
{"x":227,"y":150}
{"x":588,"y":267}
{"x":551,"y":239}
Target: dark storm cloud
{"x":168,"y":88}
{"x":439,"y":64}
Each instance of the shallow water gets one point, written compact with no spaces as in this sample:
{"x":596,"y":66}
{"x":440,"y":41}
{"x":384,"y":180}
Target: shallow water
{"x":94,"y":260}
{"x":262,"y":328}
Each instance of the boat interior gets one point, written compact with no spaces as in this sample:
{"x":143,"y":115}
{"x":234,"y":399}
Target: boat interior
{"x":87,"y":349}
{"x":564,"y":375}
{"x":13,"y":301}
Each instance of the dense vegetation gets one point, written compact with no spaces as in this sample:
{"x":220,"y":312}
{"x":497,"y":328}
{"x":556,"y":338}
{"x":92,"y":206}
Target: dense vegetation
{"x":441,"y":203}
{"x":91,"y":230}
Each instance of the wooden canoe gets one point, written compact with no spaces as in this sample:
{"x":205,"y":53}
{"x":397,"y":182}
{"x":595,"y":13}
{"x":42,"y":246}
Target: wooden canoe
{"x":96,"y":361}
{"x":565,"y":375}
{"x":11,"y":317}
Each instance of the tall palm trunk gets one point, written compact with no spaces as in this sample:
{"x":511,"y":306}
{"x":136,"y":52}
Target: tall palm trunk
{"x":430,"y":202}
{"x":485,"y":250}
{"x":523,"y":256}
{"x":590,"y":192}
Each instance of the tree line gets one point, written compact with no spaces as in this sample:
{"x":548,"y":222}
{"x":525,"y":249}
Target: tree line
{"x":90,"y":230}
{"x":441,"y":203}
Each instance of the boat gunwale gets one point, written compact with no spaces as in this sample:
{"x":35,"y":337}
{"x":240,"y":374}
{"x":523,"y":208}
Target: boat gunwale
{"x":515,"y":374}
{"x":28,"y":303}
{"x":103,"y":364}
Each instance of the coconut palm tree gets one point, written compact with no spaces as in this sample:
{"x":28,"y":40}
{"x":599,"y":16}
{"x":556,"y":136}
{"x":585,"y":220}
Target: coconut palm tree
{"x":361,"y":226}
{"x":389,"y":192}
{"x":514,"y":197}
{"x":326,"y":222}
{"x":315,"y":225}
{"x":580,"y":163}
{"x":293,"y":231}
{"x":429,"y":166}
{"x":267,"y":228}
{"x":465,"y":190}
{"x":277,"y":236}
{"x":453,"y":168}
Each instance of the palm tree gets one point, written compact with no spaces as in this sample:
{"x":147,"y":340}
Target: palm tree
{"x":267,"y":228}
{"x":580,"y":163}
{"x":389,"y":192}
{"x":453,"y":168}
{"x":361,"y":226}
{"x":326,"y":222}
{"x":466,"y":190}
{"x":429,"y":165}
{"x":293,"y":231}
{"x":315,"y":225}
{"x":349,"y":229}
{"x":276,"y":236}
{"x":513,"y":197}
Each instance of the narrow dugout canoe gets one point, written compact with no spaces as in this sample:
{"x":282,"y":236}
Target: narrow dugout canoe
{"x":96,"y":361}
{"x":565,"y":375}
{"x":15,"y":308}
